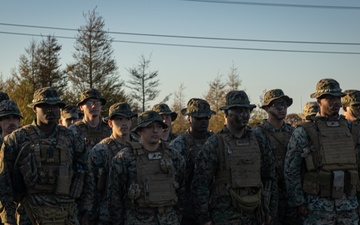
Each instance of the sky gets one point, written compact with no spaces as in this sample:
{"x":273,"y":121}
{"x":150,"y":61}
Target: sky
{"x":271,"y":44}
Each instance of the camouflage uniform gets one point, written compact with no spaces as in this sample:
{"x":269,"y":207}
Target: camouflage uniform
{"x":99,"y":165}
{"x":268,"y":135}
{"x":126,"y":192}
{"x":349,"y":102}
{"x":218,"y":197}
{"x":302,"y":158}
{"x":92,"y":136}
{"x":164,"y":109}
{"x":189,"y":147}
{"x":19,"y":151}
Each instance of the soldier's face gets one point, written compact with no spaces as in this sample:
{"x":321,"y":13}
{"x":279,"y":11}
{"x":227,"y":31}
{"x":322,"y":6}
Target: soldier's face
{"x":91,"y":107}
{"x":278,"y":109}
{"x":120,"y":126}
{"x":46,"y":113}
{"x":67,"y":122}
{"x":9,"y":123}
{"x":238,"y":117}
{"x":151,"y":134}
{"x":199,"y":124}
{"x":329,"y":105}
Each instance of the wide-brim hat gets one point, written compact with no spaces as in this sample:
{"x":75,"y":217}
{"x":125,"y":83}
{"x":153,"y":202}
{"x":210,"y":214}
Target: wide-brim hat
{"x":327,"y":87}
{"x":164,"y":109}
{"x":275,"y":94}
{"x":148,"y":117}
{"x":46,"y":95}
{"x":352,"y":97}
{"x":9,"y":107}
{"x":91,"y":93}
{"x":237,"y":99}
{"x":70,"y":111}
{"x":121,"y":109}
{"x":197,"y":107}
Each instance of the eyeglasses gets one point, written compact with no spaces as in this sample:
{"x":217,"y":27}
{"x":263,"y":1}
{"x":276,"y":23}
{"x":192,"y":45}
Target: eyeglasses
{"x":279,"y":105}
{"x":201,"y":118}
{"x":93,"y":103}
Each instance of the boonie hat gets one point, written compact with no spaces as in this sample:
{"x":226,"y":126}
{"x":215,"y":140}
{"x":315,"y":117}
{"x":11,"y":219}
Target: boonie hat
{"x":46,"y":95}
{"x":352,"y":97}
{"x":122,"y":109}
{"x":9,"y":107}
{"x":237,"y":99}
{"x":70,"y":111}
{"x":198,"y":107}
{"x":275,"y":94}
{"x":164,"y":109}
{"x":327,"y":87}
{"x":148,"y":117}
{"x":91,"y":93}
{"x":310,"y":109}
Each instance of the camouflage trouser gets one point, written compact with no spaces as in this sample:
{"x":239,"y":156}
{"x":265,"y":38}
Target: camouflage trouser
{"x":332,"y":217}
{"x":287,"y":215}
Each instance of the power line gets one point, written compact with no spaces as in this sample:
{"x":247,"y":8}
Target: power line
{"x":202,"y":46}
{"x":276,"y":4}
{"x":193,"y":37}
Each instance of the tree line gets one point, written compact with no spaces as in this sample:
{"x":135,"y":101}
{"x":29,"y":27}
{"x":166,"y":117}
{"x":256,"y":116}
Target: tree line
{"x":94,"y":66}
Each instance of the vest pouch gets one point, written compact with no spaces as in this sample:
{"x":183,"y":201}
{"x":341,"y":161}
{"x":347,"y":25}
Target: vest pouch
{"x":159,"y":192}
{"x":309,"y":161}
{"x":77,"y":184}
{"x":63,"y":180}
{"x":325,"y":185}
{"x":310,"y":183}
{"x":28,"y":169}
{"x":351,"y":182}
{"x":245,"y":203}
{"x":338,"y":184}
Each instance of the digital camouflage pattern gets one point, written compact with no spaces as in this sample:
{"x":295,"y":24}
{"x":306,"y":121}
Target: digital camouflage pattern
{"x":123,"y":210}
{"x":320,"y":209}
{"x":9,"y":151}
{"x":352,"y":97}
{"x":46,"y":95}
{"x":9,"y":107}
{"x":275,"y":94}
{"x":164,"y":109}
{"x":222,"y":210}
{"x":100,"y":158}
{"x":310,"y":109}
{"x":237,"y":99}
{"x":189,"y":153}
{"x":197,"y":107}
{"x":283,"y":214}
{"x":91,"y":93}
{"x":327,"y":87}
{"x":120,"y":109}
{"x":69,"y":111}
{"x":99,"y":161}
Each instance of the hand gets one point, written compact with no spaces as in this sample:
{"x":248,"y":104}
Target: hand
{"x":302,"y":210}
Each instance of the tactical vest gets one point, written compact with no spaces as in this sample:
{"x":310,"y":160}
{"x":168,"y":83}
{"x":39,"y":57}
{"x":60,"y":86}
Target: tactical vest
{"x":51,"y":159}
{"x":331,"y":169}
{"x":278,"y":141}
{"x":193,"y":148}
{"x":240,"y":171}
{"x":93,"y":136}
{"x":355,"y":131}
{"x":156,"y":185}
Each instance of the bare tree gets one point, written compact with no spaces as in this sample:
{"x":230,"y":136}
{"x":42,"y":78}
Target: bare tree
{"x":179,"y":125}
{"x":143,"y":82}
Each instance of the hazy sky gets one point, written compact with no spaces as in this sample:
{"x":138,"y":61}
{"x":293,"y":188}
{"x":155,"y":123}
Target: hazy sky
{"x":294,"y":72}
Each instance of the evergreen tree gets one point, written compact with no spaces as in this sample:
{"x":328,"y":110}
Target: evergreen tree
{"x":143,"y":82}
{"x":95,"y":66}
{"x":180,"y":125}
